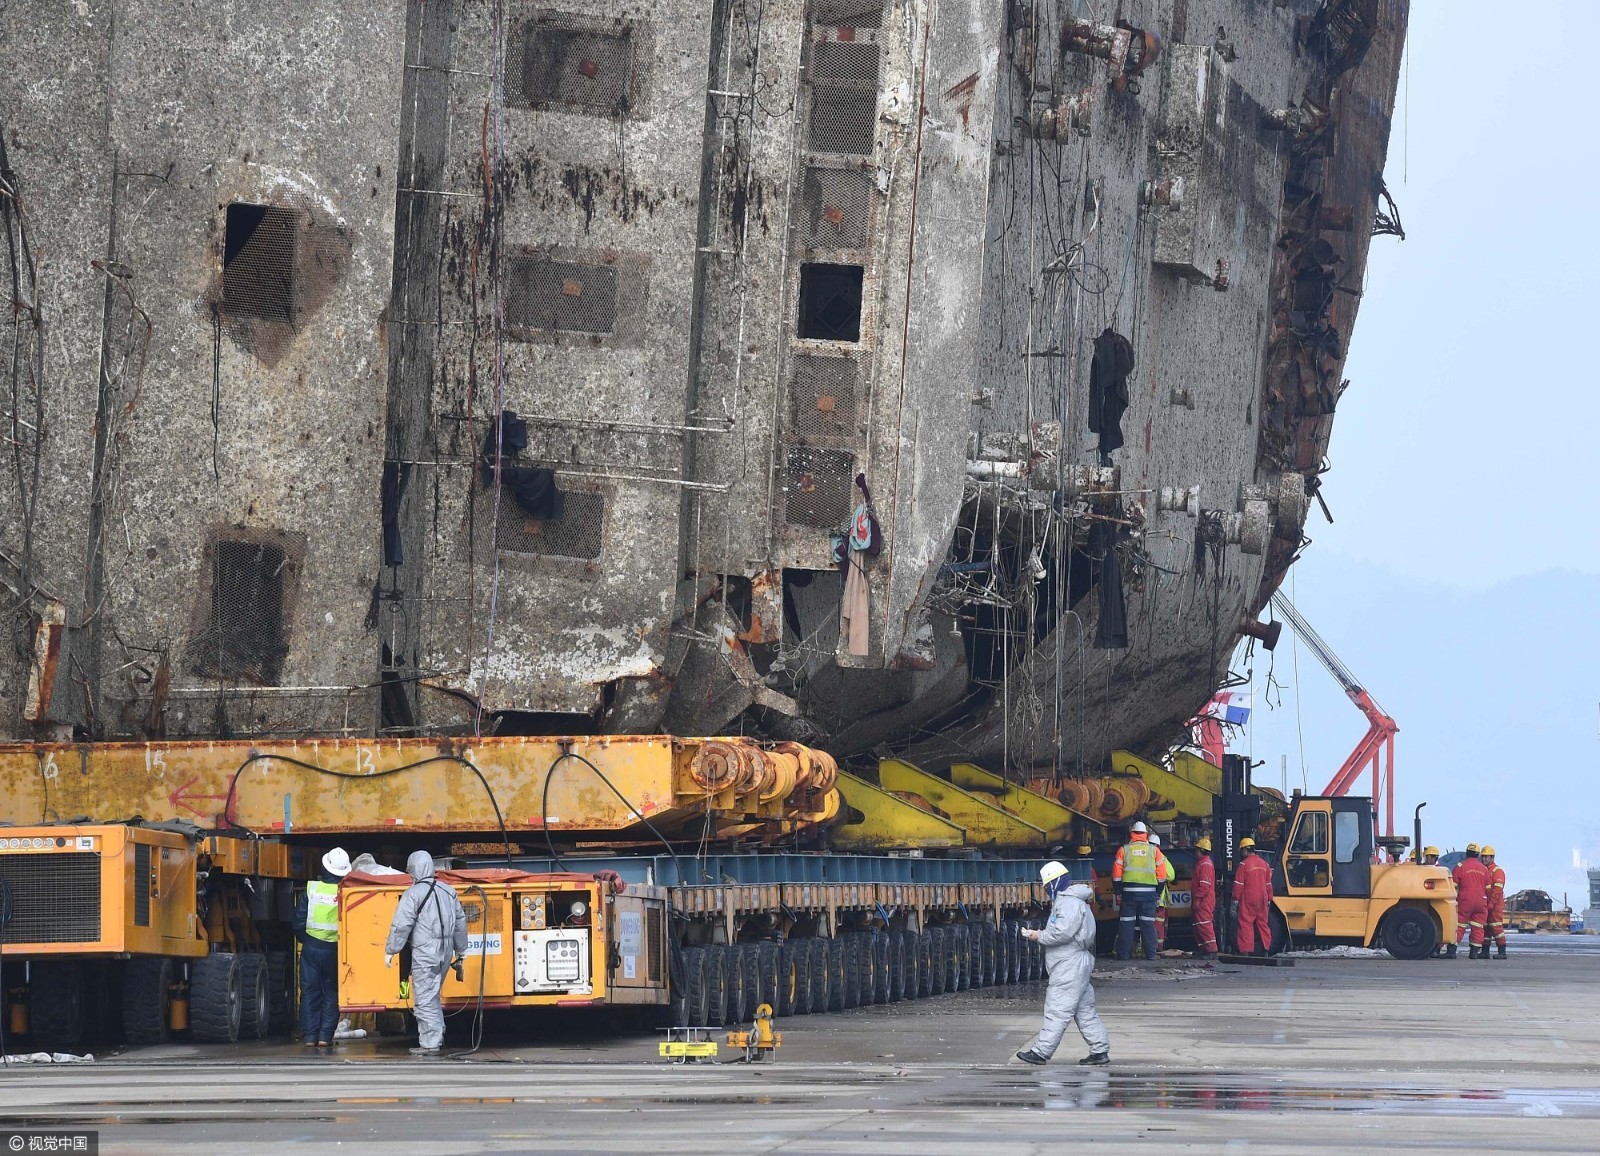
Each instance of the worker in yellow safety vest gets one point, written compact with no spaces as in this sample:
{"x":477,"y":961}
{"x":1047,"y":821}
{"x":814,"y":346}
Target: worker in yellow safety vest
{"x":1137,"y":876}
{"x":316,"y":926}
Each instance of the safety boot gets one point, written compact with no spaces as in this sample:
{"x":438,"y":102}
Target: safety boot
{"x":1450,"y":951}
{"x":1472,"y":951}
{"x":1485,"y":954}
{"x":1500,"y":952}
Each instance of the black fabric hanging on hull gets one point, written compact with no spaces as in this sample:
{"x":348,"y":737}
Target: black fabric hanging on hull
{"x":1111,"y":630}
{"x":1108,"y":388}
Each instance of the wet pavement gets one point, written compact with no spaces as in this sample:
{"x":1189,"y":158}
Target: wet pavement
{"x":1331,"y":1055}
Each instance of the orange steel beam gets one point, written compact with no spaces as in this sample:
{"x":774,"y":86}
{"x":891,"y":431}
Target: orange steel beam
{"x":331,"y":786}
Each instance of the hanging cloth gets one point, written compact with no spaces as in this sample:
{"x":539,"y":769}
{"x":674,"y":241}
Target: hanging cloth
{"x":853,"y":610}
{"x":1108,"y":388}
{"x":1111,"y":630}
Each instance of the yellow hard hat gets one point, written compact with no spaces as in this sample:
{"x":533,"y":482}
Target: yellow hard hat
{"x":1205,"y":843}
{"x":1086,"y":850}
{"x":1434,"y":851}
{"x":1052,"y":871}
{"x":1472,"y":848}
{"x":1487,"y":851}
{"x":1246,"y":843}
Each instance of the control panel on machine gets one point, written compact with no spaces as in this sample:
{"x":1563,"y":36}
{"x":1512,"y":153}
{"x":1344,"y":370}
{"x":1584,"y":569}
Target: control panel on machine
{"x":547,"y":959}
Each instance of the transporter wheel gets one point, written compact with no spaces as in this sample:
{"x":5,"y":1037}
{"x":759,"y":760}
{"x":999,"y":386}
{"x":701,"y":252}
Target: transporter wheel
{"x":987,"y":939}
{"x":147,"y":1000}
{"x":1002,"y":955}
{"x":1409,"y":933}
{"x":881,"y":962}
{"x":910,"y":946}
{"x":716,"y":985}
{"x":753,"y":989}
{"x":215,"y":998}
{"x":255,"y":1002}
{"x":960,"y":976}
{"x":974,"y":960}
{"x":938,"y":962}
{"x":821,"y":974}
{"x":855,"y":971}
{"x":869,"y":968}
{"x":836,"y":972}
{"x":925,"y":958}
{"x":766,"y":969}
{"x":793,"y":979}
{"x":56,"y":1005}
{"x":1011,"y":937}
{"x":694,"y":986}
{"x":280,"y":993}
{"x":738,"y":997}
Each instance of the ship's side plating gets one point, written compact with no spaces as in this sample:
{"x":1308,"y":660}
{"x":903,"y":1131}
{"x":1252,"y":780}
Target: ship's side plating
{"x":434,"y":367}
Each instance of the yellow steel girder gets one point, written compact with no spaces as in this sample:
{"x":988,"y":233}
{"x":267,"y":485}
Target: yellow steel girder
{"x":889,"y":822}
{"x":987,"y":824}
{"x":1045,"y":813}
{"x":1189,"y":801}
{"x":333,"y":786}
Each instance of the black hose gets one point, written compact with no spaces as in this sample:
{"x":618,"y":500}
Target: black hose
{"x":483,"y":974}
{"x":233,"y":783}
{"x":544,"y":811}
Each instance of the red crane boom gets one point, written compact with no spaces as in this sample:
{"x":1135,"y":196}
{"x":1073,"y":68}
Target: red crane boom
{"x":1376,"y":748}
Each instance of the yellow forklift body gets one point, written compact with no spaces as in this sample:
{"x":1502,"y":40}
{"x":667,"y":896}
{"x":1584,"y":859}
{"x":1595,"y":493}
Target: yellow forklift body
{"x":527,"y":944}
{"x":1331,"y":890}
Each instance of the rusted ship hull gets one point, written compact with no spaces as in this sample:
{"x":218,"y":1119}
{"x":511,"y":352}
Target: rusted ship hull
{"x":454,"y":367}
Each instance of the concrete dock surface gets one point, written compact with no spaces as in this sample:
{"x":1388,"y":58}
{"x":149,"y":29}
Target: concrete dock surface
{"x":1334,"y":1054}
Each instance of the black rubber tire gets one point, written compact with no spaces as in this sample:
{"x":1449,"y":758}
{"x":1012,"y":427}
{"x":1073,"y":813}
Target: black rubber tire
{"x":794,"y":979}
{"x":836,"y":973}
{"x":716,"y":985}
{"x":938,"y":967}
{"x":910,"y":965}
{"x":280,"y":993}
{"x":147,"y":1000}
{"x":1011,"y":941}
{"x":1408,"y":933}
{"x":975,"y":953}
{"x":817,"y":959}
{"x":752,"y":979}
{"x":255,"y":999}
{"x":694,"y":985}
{"x":987,"y":939}
{"x":897,"y":965}
{"x":738,"y":1005}
{"x":766,"y":968}
{"x":879,"y":943}
{"x":57,"y":1018}
{"x":1278,"y":929}
{"x":1035,"y":960}
{"x":1002,"y":955}
{"x":925,"y":963}
{"x":215,"y":999}
{"x":853,"y":970}
{"x":956,"y":978}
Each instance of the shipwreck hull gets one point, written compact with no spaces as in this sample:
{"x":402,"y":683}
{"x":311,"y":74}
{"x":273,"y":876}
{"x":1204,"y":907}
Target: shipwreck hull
{"x":454,"y":367}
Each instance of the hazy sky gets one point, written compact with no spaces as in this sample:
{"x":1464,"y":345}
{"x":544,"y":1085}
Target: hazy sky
{"x":1461,"y":579}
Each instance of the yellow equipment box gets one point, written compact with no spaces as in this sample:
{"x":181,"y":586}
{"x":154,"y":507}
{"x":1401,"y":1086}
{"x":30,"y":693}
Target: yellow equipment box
{"x":549,"y":940}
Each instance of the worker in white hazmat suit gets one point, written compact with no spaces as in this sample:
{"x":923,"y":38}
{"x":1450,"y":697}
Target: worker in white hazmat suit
{"x":1068,"y":942}
{"x":431,"y":920}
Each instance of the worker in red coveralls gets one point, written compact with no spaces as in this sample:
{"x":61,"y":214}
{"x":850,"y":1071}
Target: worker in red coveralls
{"x":1203,"y":899}
{"x":1495,"y":916}
{"x":1252,"y":900}
{"x":1472,"y":903}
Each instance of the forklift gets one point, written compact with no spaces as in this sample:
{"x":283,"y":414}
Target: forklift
{"x":1328,"y":884}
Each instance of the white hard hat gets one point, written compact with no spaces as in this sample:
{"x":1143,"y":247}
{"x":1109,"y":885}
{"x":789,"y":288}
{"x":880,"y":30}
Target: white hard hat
{"x":337,"y":862}
{"x":1139,"y":828}
{"x":1155,"y":840}
{"x":1052,"y":871}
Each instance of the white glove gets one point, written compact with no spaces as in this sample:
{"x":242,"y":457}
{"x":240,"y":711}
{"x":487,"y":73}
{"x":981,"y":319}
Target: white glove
{"x":1029,"y":933}
{"x":388,"y":960}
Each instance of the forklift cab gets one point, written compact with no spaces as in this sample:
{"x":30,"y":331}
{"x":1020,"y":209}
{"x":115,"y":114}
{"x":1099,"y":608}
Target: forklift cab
{"x":1329,"y":849}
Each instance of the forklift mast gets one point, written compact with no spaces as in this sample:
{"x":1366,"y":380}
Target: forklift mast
{"x":1234,"y":816}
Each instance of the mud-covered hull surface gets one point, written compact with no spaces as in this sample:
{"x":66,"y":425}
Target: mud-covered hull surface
{"x":431,"y":368}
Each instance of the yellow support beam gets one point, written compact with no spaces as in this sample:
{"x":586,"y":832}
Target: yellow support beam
{"x":1190,"y":801}
{"x":1190,"y":766}
{"x":1045,"y":813}
{"x":987,"y":824}
{"x":889,"y":822}
{"x":452,"y":786}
